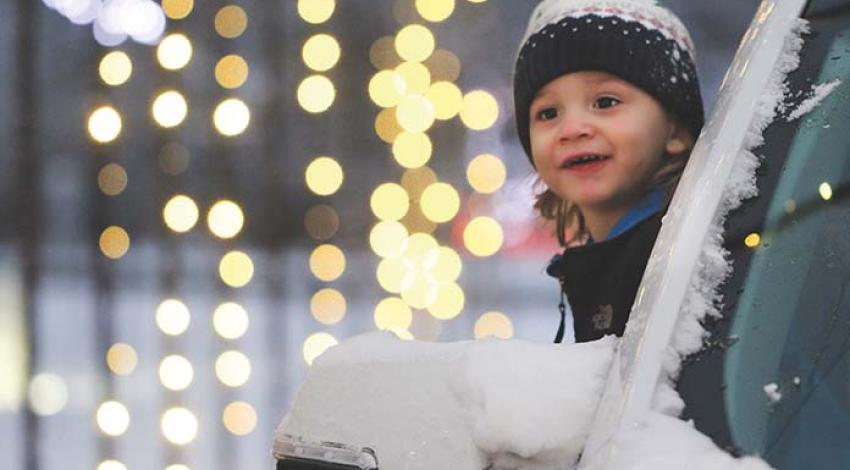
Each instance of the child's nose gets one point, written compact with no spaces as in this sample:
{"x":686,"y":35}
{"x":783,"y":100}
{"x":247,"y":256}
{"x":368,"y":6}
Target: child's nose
{"x":575,"y":125}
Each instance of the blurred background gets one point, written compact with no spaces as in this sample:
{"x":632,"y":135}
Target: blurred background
{"x":199,"y":198}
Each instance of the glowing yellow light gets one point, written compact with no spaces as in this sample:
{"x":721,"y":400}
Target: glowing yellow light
{"x":316,"y":94}
{"x":476,"y":1}
{"x":420,"y":246}
{"x":790,"y":206}
{"x":169,"y":108}
{"x":172,"y":317}
{"x":225,"y":219}
{"x":121,"y":359}
{"x":316,"y":11}
{"x":179,"y":426}
{"x":239,"y":418}
{"x":448,"y":303}
{"x":48,"y":394}
{"x":230,"y":320}
{"x":231,"y":71}
{"x":316,"y":344}
{"x":236,"y":269}
{"x":388,"y":239}
{"x":486,"y":173}
{"x":414,"y":43}
{"x":112,"y":179}
{"x":386,"y":125}
{"x":113,"y":419}
{"x":104,"y":124}
{"x":321,"y":222}
{"x":479,"y":110}
{"x":393,"y":314}
{"x":416,"y":77}
{"x":825,"y":191}
{"x":114,"y":242}
{"x":111,"y":465}
{"x":752,"y":240}
{"x":395,"y":274}
{"x":446,"y":98}
{"x":389,"y":201}
{"x":324,"y":176}
{"x":415,"y":113}
{"x":321,"y":52}
{"x":493,"y":324}
{"x":412,"y":150}
{"x":440,"y":202}
{"x":177,"y":9}
{"x":327,"y":262}
{"x":382,"y":53}
{"x":421,"y":291}
{"x":231,"y":117}
{"x":415,"y":180}
{"x":435,"y":10}
{"x":444,"y":66}
{"x":180,"y":213}
{"x":174,"y":51}
{"x":483,"y":236}
{"x":446,"y":265}
{"x":177,"y":467}
{"x":415,"y":221}
{"x":175,"y":372}
{"x":387,"y":88}
{"x":233,"y":368}
{"x":231,"y":21}
{"x":328,"y":306}
{"x":115,"y":68}
{"x":173,"y":158}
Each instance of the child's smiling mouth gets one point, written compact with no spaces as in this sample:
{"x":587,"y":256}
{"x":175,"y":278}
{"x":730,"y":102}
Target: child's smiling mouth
{"x":585,"y":161}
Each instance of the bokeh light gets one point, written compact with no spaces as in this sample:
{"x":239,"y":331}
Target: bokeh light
{"x":48,"y":394}
{"x":180,"y":213}
{"x":112,"y":418}
{"x":448,"y":303}
{"x":327,"y":262}
{"x":225,"y":219}
{"x":414,"y":43}
{"x":387,"y":88}
{"x":176,"y":372}
{"x":321,"y":222}
{"x":395,"y":274}
{"x":446,"y":98}
{"x":321,"y":52}
{"x":239,"y":418}
{"x":115,"y":68}
{"x":412,"y":150}
{"x":173,"y":158}
{"x":316,"y":344}
{"x":328,"y":306}
{"x":493,"y":324}
{"x":316,"y":94}
{"x":230,"y":320}
{"x":233,"y":368}
{"x":420,"y":248}
{"x":114,"y":242}
{"x":121,"y":359}
{"x":416,"y":77}
{"x":169,"y":108}
{"x":421,"y":291}
{"x":174,"y":51}
{"x":388,"y":239}
{"x":444,"y":66}
{"x":486,"y":173}
{"x":112,"y":179}
{"x":231,"y":21}
{"x":483,"y":236}
{"x":236,"y":269}
{"x":435,"y":10}
{"x":479,"y":110}
{"x":415,"y":221}
{"x":231,"y":117}
{"x":104,"y":124}
{"x":231,"y":71}
{"x":172,"y":317}
{"x":316,"y":11}
{"x":415,"y":113}
{"x":324,"y":176}
{"x":389,"y":201}
{"x":445,"y":264}
{"x":177,"y":467}
{"x":386,"y":125}
{"x":179,"y":426}
{"x":415,"y":180}
{"x":752,"y":240}
{"x":383,"y":55}
{"x":393,"y":314}
{"x":111,"y":465}
{"x":825,"y":191}
{"x":440,"y":202}
{"x":177,"y":9}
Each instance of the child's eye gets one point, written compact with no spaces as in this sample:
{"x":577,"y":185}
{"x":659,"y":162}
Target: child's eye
{"x":606,"y":102}
{"x":546,"y":114}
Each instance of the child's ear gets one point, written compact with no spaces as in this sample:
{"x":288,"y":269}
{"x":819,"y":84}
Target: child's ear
{"x":679,"y":141}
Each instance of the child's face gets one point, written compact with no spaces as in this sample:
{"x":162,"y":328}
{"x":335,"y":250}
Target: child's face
{"x":598,"y":141}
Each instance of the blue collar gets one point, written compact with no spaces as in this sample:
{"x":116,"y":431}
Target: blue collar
{"x":650,"y":205}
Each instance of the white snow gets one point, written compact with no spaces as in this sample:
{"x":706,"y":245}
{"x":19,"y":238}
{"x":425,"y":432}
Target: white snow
{"x":818,"y":93}
{"x":772,"y":392}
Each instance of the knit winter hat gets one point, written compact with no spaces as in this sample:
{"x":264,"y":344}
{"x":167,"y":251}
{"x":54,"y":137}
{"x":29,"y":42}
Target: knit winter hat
{"x":636,"y":40}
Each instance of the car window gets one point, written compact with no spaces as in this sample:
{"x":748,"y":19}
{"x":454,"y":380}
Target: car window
{"x":774,"y":379}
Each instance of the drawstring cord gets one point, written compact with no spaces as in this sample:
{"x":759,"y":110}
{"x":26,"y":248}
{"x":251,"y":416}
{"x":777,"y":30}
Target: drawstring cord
{"x":562,"y":307}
